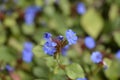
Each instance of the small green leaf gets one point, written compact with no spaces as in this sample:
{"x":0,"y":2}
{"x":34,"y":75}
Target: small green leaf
{"x":74,"y":71}
{"x":92,"y":23}
{"x":116,"y":36}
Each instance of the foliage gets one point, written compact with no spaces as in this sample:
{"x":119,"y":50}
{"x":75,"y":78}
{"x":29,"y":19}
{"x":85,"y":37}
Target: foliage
{"x":24,"y":21}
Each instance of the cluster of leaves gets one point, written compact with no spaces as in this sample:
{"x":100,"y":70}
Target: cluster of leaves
{"x":100,"y":20}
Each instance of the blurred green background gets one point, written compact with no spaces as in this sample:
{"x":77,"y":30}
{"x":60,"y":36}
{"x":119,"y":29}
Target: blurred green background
{"x":100,"y":19}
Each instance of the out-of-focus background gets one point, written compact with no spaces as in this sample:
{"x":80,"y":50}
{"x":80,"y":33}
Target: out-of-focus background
{"x":23,"y":23}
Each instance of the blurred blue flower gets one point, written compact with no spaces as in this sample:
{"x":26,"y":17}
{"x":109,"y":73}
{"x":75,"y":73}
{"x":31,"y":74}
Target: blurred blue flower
{"x":96,"y":57}
{"x":64,"y":50}
{"x":117,"y":55}
{"x":47,"y":36}
{"x":9,"y":68}
{"x":27,"y":54}
{"x":71,"y":37}
{"x":81,"y":8}
{"x":30,"y":13}
{"x":81,"y":79}
{"x":90,"y":42}
{"x":28,"y":46}
{"x":49,"y":48}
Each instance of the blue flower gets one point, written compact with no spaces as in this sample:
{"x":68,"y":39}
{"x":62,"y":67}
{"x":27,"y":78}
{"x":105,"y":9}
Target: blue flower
{"x":81,"y":8}
{"x":81,"y":79}
{"x":47,"y":36}
{"x":64,"y":50}
{"x":71,"y":37}
{"x":96,"y":57}
{"x":117,"y":55}
{"x":60,"y":38}
{"x":49,"y":48}
{"x":30,"y":13}
{"x":9,"y":68}
{"x":28,"y":46}
{"x":90,"y":42}
{"x":27,"y":56}
{"x":27,"y":53}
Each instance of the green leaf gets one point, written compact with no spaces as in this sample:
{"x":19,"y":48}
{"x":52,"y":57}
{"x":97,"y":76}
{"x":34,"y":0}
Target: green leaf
{"x":65,"y":6}
{"x":39,"y":2}
{"x":108,"y":62}
{"x":74,"y":71}
{"x":116,"y":36}
{"x":5,"y":54}
{"x":28,"y":29}
{"x":113,"y":13}
{"x":2,"y":36}
{"x":41,"y":72}
{"x":113,"y":71}
{"x":38,"y":51}
{"x":92,"y":23}
{"x":10,"y":22}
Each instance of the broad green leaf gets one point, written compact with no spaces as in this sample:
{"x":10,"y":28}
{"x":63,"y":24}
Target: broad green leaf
{"x":74,"y":71}
{"x":5,"y":54}
{"x":41,"y":72}
{"x":113,"y":71}
{"x":113,"y":13}
{"x":116,"y":36}
{"x":92,"y":22}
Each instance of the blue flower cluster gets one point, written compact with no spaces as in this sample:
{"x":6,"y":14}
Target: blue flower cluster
{"x":96,"y":57}
{"x":89,"y":42}
{"x":30,"y":13}
{"x":27,"y":54}
{"x":81,"y":8}
{"x":58,"y":44}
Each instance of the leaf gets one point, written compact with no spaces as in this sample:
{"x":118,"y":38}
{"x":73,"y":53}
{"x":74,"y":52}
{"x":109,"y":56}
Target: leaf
{"x":2,"y":36}
{"x":116,"y":36}
{"x":113,"y":71}
{"x":92,"y":23}
{"x":108,"y":62}
{"x":65,"y":6}
{"x":5,"y":55}
{"x":38,"y":52}
{"x":41,"y":72}
{"x":113,"y":13}
{"x":74,"y":71}
{"x":28,"y":30}
{"x":10,"y":22}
